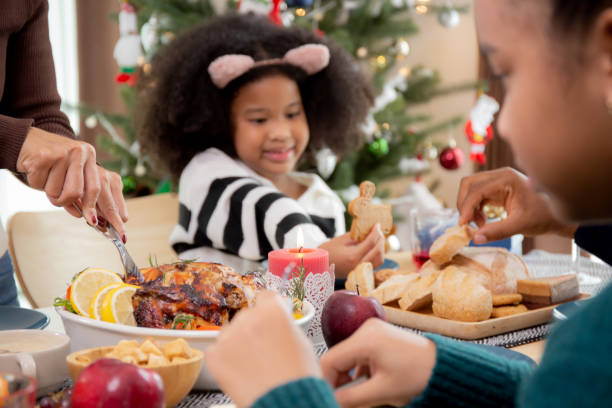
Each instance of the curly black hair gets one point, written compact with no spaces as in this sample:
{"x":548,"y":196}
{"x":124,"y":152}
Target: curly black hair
{"x":181,"y":112}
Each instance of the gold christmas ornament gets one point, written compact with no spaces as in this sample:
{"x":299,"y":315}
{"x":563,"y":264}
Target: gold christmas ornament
{"x":430,"y":152}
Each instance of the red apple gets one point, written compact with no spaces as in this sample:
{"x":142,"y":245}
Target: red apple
{"x":344,"y":312}
{"x":110,"y":383}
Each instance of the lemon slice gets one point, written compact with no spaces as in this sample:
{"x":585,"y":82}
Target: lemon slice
{"x":117,"y":305}
{"x":95,"y":308}
{"x":87,"y":284}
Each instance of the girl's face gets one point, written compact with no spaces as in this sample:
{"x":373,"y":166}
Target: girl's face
{"x":270,"y":126}
{"x":554,"y":113}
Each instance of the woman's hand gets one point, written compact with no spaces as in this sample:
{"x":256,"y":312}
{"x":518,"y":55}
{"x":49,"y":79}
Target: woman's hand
{"x":529,"y":213}
{"x":397,"y":363}
{"x":347,"y":253}
{"x":66,"y":170}
{"x":259,"y":350}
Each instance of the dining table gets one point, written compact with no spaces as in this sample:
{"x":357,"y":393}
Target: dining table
{"x":529,"y":342}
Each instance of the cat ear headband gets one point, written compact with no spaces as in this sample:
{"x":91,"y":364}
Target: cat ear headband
{"x":312,"y":58}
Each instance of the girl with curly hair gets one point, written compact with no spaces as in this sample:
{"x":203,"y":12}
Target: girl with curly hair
{"x":230,"y":108}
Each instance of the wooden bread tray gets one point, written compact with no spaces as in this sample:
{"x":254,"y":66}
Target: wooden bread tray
{"x":425,"y":320}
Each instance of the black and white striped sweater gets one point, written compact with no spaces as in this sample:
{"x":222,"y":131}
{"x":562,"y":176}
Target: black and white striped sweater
{"x":230,"y":214}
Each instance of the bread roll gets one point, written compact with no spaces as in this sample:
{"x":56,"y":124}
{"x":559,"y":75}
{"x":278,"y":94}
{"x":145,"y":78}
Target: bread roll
{"x":393,"y":288}
{"x":460,"y":296}
{"x":361,"y":279}
{"x":448,"y":244}
{"x":418,"y":292}
{"x":382,"y":275}
{"x":504,"y":268}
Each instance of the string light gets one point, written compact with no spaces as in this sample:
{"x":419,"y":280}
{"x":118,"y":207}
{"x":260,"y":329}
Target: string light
{"x":300,"y":12}
{"x":386,"y":126}
{"x":405,"y":71}
{"x":421,"y":9}
{"x":381,"y":60}
{"x":141,"y":60}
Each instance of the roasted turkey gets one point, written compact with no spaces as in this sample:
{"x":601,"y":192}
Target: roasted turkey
{"x":210,"y":293}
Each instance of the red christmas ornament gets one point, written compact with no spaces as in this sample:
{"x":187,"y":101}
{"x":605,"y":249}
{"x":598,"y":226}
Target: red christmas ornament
{"x":451,"y":158}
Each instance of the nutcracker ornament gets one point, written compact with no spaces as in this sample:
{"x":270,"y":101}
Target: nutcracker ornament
{"x":127,"y":51}
{"x":479,"y":129}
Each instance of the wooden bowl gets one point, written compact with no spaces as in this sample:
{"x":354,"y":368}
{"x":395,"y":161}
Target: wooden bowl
{"x":178,"y":377}
{"x":87,"y":333}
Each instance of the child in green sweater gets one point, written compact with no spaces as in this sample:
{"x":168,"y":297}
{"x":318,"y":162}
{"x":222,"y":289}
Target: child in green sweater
{"x":555,"y":60}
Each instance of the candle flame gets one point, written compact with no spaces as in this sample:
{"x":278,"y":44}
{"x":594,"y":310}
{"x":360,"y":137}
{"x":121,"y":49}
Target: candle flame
{"x":300,"y":238}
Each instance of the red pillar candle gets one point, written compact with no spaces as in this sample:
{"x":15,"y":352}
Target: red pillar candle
{"x":315,"y":260}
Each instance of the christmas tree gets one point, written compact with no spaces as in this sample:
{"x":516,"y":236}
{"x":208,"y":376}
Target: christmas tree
{"x":376,"y":32}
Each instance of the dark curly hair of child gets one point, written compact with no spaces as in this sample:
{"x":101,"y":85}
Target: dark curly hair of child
{"x":181,"y":112}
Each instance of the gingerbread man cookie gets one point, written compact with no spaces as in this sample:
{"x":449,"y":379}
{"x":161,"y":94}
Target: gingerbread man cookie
{"x":366,"y":215}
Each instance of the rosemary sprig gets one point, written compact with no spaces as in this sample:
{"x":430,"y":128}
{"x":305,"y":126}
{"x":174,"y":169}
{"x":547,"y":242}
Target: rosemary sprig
{"x":65,"y":303}
{"x":297,"y":288}
{"x":183,"y":319}
{"x":153,"y":265}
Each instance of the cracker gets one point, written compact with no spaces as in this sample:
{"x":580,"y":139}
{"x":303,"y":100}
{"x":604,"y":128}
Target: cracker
{"x":507,"y":299}
{"x":504,"y":311}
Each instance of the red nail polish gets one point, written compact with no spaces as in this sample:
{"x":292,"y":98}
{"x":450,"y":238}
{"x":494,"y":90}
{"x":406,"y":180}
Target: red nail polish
{"x":94,"y":220}
{"x":124,"y":239}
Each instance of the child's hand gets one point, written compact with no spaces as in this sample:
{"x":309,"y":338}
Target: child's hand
{"x":275,"y":353}
{"x":347,"y":253}
{"x":398,"y":365}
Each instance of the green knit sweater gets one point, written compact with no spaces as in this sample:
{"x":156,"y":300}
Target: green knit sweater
{"x":576,"y":371}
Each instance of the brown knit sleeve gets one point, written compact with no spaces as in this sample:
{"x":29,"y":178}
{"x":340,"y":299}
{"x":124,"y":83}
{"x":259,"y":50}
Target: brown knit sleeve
{"x":30,"y":94}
